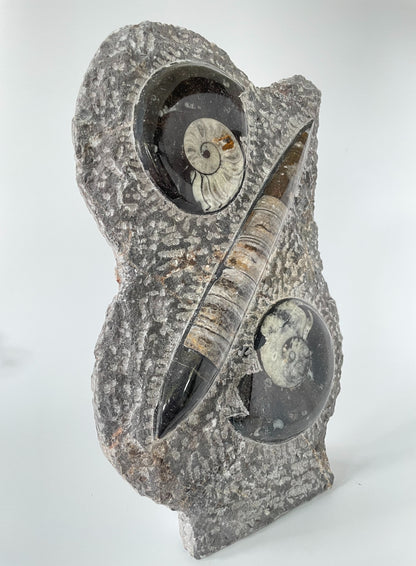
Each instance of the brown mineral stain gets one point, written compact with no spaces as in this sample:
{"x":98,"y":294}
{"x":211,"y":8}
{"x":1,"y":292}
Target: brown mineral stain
{"x":251,"y":248}
{"x":115,"y":437}
{"x":228,"y":142}
{"x":280,"y":181}
{"x":186,"y":260}
{"x":218,"y":255}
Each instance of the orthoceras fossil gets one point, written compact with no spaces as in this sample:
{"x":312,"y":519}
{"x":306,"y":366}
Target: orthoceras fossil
{"x":190,"y":171}
{"x":209,"y":336}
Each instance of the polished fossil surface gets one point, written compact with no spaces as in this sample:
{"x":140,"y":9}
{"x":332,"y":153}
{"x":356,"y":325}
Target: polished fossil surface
{"x":204,"y":187}
{"x":189,"y":124}
{"x":217,"y":161}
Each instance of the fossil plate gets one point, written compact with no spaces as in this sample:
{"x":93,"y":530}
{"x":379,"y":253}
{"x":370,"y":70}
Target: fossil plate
{"x":219,"y":361}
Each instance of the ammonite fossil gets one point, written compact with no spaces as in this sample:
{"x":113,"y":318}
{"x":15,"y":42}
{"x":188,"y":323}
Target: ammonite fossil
{"x":189,"y":125}
{"x":284,"y":353}
{"x":219,"y":361}
{"x":208,"y":339}
{"x":217,"y":160}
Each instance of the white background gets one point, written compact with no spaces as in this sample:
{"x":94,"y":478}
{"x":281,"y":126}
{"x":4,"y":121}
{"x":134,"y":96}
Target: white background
{"x":61,"y":502}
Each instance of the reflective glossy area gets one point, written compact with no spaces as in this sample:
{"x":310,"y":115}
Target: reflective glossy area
{"x":189,"y":122}
{"x":295,"y":354}
{"x":218,"y":316}
{"x":189,"y":378}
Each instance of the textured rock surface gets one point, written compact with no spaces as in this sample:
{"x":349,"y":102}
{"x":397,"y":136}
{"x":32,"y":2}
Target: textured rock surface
{"x":223,"y":484}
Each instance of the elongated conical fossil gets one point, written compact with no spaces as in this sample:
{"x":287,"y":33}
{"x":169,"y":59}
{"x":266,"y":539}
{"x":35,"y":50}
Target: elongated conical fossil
{"x":210,"y":335}
{"x":190,"y":170}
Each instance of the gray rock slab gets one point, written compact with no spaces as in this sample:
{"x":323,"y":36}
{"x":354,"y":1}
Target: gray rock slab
{"x":225,"y":482}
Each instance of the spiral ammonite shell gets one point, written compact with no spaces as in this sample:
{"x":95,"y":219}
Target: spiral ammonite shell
{"x":285,"y":355}
{"x":190,"y":128}
{"x":217,"y":161}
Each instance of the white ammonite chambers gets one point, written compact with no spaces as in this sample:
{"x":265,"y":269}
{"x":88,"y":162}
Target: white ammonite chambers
{"x":217,"y":161}
{"x":285,"y":354}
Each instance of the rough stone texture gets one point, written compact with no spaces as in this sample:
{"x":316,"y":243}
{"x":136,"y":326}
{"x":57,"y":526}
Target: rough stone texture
{"x":223,"y":485}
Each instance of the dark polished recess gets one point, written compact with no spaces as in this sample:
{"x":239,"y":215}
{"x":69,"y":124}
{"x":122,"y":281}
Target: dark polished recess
{"x":296,"y":357}
{"x":207,"y":341}
{"x":171,"y":100}
{"x":186,"y":382}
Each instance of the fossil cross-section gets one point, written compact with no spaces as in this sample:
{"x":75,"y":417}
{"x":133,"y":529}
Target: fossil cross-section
{"x":218,"y":365}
